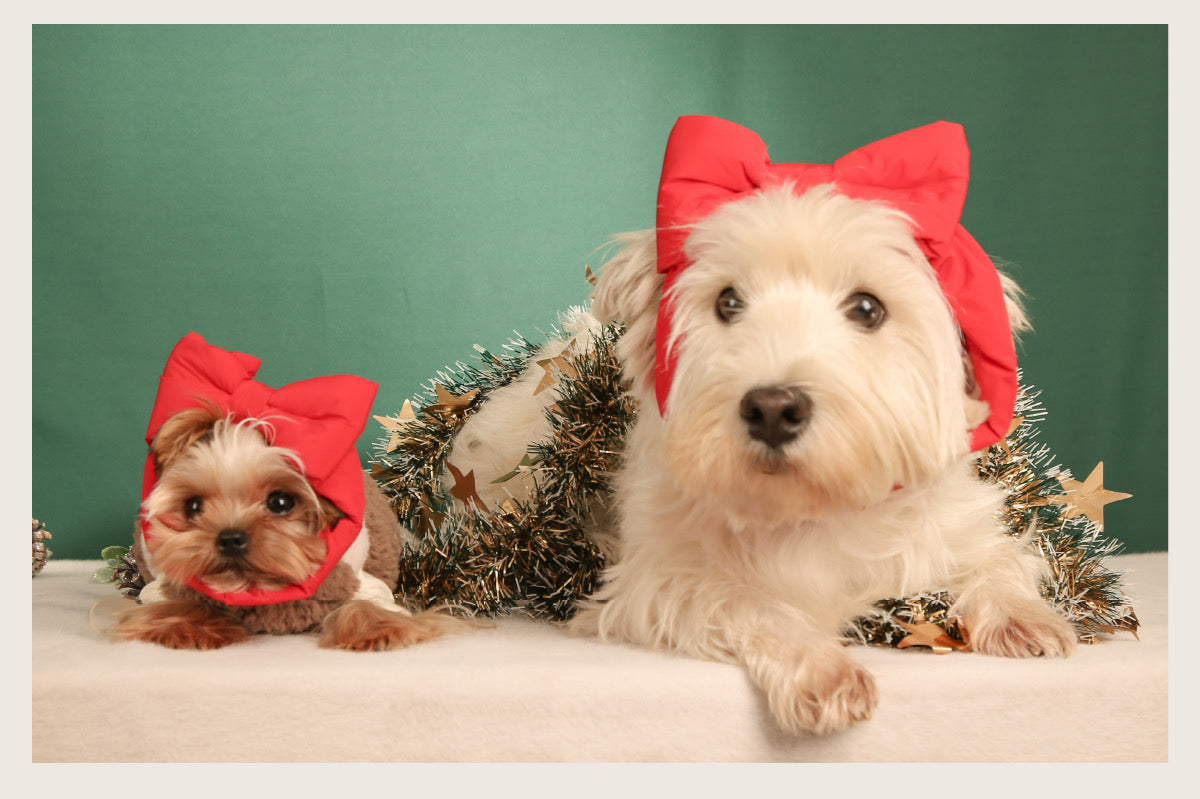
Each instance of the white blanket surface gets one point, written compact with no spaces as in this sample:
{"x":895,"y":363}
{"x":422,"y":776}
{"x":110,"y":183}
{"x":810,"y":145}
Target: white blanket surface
{"x":525,"y":691}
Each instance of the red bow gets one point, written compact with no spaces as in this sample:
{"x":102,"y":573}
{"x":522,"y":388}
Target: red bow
{"x":922,"y":172}
{"x":318,"y":419}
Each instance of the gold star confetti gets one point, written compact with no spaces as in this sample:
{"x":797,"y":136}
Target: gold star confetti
{"x":554,"y":367}
{"x":396,"y":424}
{"x":398,"y":421}
{"x":1087,"y":498}
{"x":464,"y":488}
{"x":929,"y":635}
{"x":1012,"y":428}
{"x":450,"y":403}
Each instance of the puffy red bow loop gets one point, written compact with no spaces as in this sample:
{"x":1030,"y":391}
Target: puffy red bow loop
{"x":923,"y":172}
{"x":319,"y":419}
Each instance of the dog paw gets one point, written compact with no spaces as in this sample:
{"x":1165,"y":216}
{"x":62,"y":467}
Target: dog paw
{"x":360,"y":626}
{"x":179,"y":624}
{"x":822,"y":692}
{"x":1029,"y":628}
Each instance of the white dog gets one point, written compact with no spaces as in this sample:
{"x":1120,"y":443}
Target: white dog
{"x":811,"y":449}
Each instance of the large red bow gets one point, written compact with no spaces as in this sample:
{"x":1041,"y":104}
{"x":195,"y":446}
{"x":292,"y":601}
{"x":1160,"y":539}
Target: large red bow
{"x":318,"y":419}
{"x":922,"y":172}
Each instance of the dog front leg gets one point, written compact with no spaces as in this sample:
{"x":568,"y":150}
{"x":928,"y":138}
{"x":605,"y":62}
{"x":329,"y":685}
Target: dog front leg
{"x":815,"y":686}
{"x":998,"y":598}
{"x":809,"y":681}
{"x":179,"y":624}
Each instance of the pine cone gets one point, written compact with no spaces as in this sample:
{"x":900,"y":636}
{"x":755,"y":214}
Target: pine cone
{"x":40,"y":553}
{"x":127,"y":577}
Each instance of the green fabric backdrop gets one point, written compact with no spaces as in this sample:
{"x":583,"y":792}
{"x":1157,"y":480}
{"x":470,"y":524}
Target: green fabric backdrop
{"x":376,"y":200}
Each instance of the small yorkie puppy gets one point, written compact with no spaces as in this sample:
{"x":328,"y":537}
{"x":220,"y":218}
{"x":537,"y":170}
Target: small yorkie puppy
{"x":240,"y":535}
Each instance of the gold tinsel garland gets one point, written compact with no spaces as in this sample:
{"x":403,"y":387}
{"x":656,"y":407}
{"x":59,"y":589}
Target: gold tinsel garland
{"x":531,"y":555}
{"x":535,"y":557}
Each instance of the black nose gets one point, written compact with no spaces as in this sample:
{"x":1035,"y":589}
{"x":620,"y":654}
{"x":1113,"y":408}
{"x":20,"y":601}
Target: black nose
{"x":232,"y":541}
{"x":775,"y":415}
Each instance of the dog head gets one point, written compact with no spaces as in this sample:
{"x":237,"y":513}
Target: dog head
{"x":819,"y":363}
{"x":230,"y":509}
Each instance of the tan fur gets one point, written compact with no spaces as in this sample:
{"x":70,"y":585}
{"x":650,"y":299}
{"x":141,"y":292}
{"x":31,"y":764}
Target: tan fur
{"x":387,"y":536}
{"x":180,"y":624}
{"x":181,"y":431}
{"x":361,"y":626}
{"x":232,"y":469}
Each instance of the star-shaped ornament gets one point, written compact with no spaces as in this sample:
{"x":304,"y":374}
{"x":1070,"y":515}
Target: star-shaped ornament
{"x":464,"y":488}
{"x":1087,"y":498}
{"x":555,"y":367}
{"x":930,"y":635}
{"x":396,"y":424}
{"x":1012,"y":428}
{"x":428,"y":520}
{"x":450,"y":403}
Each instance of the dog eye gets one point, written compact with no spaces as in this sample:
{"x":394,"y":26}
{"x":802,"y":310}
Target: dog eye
{"x":192,"y":507}
{"x":729,"y":305}
{"x":280,"y":502}
{"x":865,"y":310}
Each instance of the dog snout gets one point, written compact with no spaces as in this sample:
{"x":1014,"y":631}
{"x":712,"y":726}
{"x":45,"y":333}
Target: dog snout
{"x":775,"y":415}
{"x":232,"y":541}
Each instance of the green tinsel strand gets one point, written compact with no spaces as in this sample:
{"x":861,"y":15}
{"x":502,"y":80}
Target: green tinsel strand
{"x":536,"y":558}
{"x":533,"y":557}
{"x":589,"y":423}
{"x":409,"y":476}
{"x":531,"y":561}
{"x":1080,"y":586}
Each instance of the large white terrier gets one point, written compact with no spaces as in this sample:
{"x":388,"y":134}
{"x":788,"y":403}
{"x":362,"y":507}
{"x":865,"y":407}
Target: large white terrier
{"x":810,"y":451}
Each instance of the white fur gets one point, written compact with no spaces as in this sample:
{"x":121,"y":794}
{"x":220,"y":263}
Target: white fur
{"x":735,"y":552}
{"x":496,"y":437}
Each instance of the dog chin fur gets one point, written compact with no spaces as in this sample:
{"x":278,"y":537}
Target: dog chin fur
{"x":737,"y":551}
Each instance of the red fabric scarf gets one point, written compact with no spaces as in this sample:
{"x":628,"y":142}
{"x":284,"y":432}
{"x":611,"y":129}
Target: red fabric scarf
{"x":922,"y":172}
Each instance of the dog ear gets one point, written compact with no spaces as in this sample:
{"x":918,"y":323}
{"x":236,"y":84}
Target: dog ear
{"x":628,"y":291}
{"x":330,"y":515}
{"x":977,"y":409}
{"x":1014,"y":299}
{"x":181,"y":431}
{"x":1019,"y":322}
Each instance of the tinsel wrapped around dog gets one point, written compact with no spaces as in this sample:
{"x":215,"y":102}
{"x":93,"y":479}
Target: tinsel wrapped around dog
{"x":533,"y":541}
{"x":528,"y":543}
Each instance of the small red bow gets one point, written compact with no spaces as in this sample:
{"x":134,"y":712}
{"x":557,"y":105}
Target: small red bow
{"x":922,"y":172}
{"x":318,"y":419}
